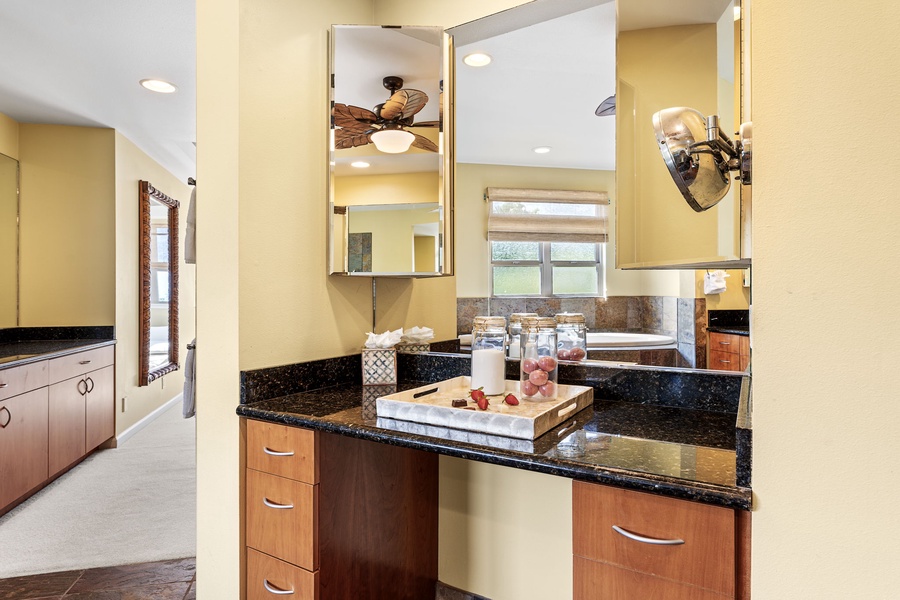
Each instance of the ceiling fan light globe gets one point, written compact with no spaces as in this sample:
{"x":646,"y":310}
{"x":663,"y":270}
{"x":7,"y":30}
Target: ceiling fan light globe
{"x":392,"y":141}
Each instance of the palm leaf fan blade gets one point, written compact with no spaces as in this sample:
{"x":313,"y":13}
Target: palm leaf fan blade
{"x":423,"y":143}
{"x":403,"y":104}
{"x":353,"y":118}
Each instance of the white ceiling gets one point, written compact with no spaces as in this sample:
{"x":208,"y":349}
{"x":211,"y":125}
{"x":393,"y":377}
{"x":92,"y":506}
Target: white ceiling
{"x":79,"y":63}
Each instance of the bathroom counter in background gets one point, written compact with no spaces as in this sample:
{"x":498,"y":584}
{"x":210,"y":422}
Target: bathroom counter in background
{"x":24,"y":345}
{"x":677,"y":434}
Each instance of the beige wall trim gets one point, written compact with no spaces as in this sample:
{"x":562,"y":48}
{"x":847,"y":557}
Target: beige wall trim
{"x":128,"y":433}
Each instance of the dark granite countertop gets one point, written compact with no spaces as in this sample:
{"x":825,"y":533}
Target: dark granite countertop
{"x":733,"y":329}
{"x":674,"y":451}
{"x":19,"y":346}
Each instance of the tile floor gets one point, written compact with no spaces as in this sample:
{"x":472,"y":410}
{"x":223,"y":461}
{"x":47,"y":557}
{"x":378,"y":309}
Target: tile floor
{"x":163,"y":580}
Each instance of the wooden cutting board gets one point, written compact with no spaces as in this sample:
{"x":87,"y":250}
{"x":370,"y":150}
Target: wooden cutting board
{"x":432,"y":405}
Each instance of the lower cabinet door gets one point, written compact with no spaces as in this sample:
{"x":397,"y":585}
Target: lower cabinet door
{"x":23,"y":444}
{"x":99,"y":406}
{"x":269,"y":578}
{"x":66,"y":423}
{"x":600,"y":581}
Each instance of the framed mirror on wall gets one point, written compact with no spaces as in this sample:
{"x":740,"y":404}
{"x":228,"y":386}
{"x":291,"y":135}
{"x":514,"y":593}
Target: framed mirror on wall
{"x":9,"y":241}
{"x":671,"y":54}
{"x":158,"y":320}
{"x":390,"y":174}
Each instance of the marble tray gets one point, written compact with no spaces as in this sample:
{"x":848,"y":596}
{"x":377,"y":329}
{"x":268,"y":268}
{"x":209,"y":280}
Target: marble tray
{"x":431,"y":405}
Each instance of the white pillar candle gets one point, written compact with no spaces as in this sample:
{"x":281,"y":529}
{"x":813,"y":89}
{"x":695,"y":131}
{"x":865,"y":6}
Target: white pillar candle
{"x":489,"y":371}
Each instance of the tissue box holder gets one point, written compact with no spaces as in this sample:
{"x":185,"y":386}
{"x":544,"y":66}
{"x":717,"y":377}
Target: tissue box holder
{"x":379,"y":366}
{"x":413,"y":348}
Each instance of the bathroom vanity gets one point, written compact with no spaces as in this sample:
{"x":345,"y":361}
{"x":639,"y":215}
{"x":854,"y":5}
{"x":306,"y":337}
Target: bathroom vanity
{"x":57,"y":404}
{"x":659,"y":455}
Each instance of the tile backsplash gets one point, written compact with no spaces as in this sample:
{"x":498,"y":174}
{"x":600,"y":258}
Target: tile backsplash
{"x":681,"y":318}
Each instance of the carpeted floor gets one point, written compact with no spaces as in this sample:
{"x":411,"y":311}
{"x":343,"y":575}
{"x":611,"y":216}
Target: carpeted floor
{"x":131,"y":504}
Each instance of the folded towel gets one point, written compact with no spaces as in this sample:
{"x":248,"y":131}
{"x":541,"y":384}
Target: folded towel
{"x":190,"y":237}
{"x":189,"y":408}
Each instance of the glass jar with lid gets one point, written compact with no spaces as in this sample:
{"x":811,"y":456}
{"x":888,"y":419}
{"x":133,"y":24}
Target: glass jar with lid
{"x":538,"y":369}
{"x":571,"y":336}
{"x":515,"y":328}
{"x":489,"y":355}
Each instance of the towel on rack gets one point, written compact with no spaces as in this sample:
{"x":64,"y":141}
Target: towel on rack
{"x":190,"y":237}
{"x":189,"y":408}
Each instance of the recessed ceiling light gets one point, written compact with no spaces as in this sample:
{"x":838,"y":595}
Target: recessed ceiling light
{"x":541,"y":149}
{"x":477,"y":59}
{"x":360,"y":164}
{"x":158,"y":85}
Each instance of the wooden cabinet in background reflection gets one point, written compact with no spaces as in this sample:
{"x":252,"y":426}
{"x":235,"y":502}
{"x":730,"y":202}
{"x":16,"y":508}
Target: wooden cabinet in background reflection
{"x":729,"y":352}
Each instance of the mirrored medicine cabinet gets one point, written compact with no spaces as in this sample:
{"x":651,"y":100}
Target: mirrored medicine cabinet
{"x":390,"y":150}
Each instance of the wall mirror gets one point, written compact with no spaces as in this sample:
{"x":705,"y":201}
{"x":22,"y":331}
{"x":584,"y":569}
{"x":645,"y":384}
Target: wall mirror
{"x":685,"y":53}
{"x":159,"y":283}
{"x":9,"y":241}
{"x":390,"y":146}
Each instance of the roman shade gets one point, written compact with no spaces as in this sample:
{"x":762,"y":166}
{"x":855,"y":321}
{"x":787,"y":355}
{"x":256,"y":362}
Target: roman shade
{"x":510,"y":223}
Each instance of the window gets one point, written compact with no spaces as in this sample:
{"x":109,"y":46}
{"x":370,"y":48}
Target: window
{"x":546,"y":269}
{"x":159,"y":262}
{"x":546,"y":242}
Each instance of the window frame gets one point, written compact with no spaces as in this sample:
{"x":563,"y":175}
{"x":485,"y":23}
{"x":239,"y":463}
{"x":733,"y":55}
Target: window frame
{"x":546,"y":266}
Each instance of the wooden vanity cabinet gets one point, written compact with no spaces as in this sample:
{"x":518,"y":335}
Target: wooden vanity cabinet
{"x":728,"y":351}
{"x":631,"y":544}
{"x":82,"y":405}
{"x":330,"y":517}
{"x":23,"y":431}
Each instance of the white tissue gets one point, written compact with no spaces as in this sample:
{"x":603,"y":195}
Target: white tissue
{"x":418,"y":335}
{"x":388,"y":339}
{"x":714,"y":283}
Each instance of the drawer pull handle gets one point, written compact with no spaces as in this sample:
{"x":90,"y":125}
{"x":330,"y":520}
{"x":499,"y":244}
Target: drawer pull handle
{"x":8,"y":417}
{"x":3,"y":385}
{"x":725,"y":362}
{"x":274,"y":590}
{"x":725,"y":343}
{"x":271,"y":504}
{"x":274,"y":453}
{"x":646,"y":540}
{"x":84,"y":362}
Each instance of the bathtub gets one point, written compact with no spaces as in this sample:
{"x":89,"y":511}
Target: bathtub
{"x":599,"y":340}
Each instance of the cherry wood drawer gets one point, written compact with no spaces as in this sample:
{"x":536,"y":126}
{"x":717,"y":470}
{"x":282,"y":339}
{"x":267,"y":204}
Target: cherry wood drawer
{"x":729,"y":342}
{"x":726,"y":361}
{"x":18,"y":380}
{"x":706,"y":558}
{"x":601,"y":581}
{"x":268,"y":578}
{"x":281,"y":450}
{"x":73,"y":365}
{"x":282,"y":518}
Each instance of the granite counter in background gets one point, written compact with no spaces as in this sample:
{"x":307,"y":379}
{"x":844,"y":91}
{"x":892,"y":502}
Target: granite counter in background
{"x":23,"y":345}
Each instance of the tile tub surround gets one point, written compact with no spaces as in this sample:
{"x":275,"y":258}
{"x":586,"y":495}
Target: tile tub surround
{"x":640,"y":413}
{"x":681,"y":318}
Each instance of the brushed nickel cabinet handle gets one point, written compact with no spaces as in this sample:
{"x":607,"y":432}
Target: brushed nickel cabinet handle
{"x":271,"y":504}
{"x":725,"y":343}
{"x":271,"y":452}
{"x":78,"y":385}
{"x":3,"y":385}
{"x":725,"y":362}
{"x":8,"y":417}
{"x":646,"y":540}
{"x":84,"y":362}
{"x":274,"y":590}
{"x":91,"y":382}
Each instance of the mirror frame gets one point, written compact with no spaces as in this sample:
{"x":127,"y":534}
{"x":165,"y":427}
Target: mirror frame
{"x":445,"y":191}
{"x":146,"y":193}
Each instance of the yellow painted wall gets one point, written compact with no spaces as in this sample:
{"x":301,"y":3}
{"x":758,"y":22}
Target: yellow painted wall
{"x":132,"y":165}
{"x":400,"y":188}
{"x":425,"y":253}
{"x":825,"y":437}
{"x":651,"y":61}
{"x":9,"y":136}
{"x":472,"y":248}
{"x":67,"y":227}
{"x":735,"y":296}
